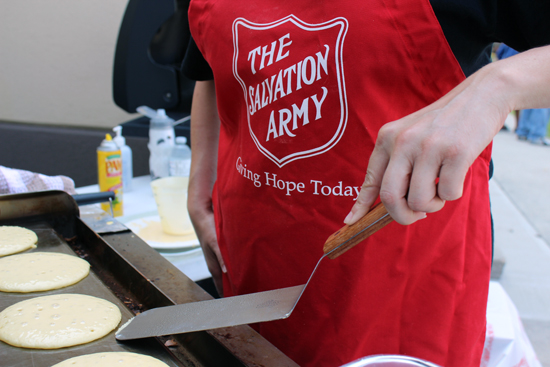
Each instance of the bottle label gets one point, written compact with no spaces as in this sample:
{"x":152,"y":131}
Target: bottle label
{"x":109,"y":172}
{"x":113,"y":165}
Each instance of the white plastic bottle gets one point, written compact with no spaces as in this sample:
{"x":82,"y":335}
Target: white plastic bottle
{"x":180,"y":159}
{"x":161,"y":141}
{"x":127,"y":163}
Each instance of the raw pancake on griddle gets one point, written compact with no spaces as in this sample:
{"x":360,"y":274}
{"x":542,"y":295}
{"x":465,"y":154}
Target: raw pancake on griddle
{"x":40,"y":271}
{"x":57,"y":321}
{"x":14,"y":239}
{"x":119,"y":359}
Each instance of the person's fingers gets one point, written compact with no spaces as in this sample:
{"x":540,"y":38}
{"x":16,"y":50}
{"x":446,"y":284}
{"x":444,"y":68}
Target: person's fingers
{"x":365,"y":199}
{"x":399,"y":136}
{"x":370,"y":187}
{"x":423,"y":195}
{"x":218,"y":284}
{"x":394,"y":190}
{"x":213,"y":264}
{"x":451,"y":180}
{"x":219,"y":257}
{"x":203,"y":221}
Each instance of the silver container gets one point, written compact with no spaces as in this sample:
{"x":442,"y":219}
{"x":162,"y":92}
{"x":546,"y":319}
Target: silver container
{"x":389,"y":361}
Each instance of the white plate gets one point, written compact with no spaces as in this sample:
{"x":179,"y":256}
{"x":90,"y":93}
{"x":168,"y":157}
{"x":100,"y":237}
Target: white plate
{"x":149,"y":229}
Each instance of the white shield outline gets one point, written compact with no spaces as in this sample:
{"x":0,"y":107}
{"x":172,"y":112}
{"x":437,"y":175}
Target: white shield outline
{"x":343,"y":23}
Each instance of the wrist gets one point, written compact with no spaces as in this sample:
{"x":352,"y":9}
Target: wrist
{"x":521,"y":81}
{"x":499,"y":84}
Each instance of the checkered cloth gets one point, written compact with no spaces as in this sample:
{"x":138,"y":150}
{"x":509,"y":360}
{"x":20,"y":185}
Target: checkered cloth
{"x":14,"y":181}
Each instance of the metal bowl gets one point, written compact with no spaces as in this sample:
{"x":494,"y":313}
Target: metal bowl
{"x":390,"y":361}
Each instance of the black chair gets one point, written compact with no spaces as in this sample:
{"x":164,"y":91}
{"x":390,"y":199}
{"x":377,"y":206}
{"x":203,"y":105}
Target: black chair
{"x":152,"y":41}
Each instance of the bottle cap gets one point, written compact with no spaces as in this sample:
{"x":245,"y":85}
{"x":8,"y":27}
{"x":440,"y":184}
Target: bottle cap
{"x":181,"y":140}
{"x":108,"y":143}
{"x":159,"y":118}
{"x":119,"y":139}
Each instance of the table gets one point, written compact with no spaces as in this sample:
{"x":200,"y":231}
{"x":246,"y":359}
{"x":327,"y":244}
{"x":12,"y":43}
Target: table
{"x":140,"y":210}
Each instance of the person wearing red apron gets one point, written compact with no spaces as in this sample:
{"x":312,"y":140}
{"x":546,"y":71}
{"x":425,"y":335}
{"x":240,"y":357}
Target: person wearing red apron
{"x":302,"y":90}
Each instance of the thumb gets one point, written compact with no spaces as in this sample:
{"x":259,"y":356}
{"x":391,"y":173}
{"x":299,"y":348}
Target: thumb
{"x":367,"y":196}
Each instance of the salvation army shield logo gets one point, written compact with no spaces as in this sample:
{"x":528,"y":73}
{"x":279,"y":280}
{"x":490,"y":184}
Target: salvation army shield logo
{"x":292,"y":77}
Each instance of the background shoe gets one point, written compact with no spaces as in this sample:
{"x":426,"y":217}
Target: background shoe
{"x":541,"y":141}
{"x":522,"y":137}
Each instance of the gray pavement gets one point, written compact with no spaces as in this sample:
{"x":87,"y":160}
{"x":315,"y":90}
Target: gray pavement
{"x":520,"y":199}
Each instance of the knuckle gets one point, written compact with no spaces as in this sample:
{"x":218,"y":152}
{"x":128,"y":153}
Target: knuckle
{"x":430,"y":144}
{"x":425,"y":204}
{"x":408,"y":134}
{"x":453,"y":152}
{"x":450,"y":194}
{"x":370,"y":181}
{"x":389,"y":134}
{"x":386,"y":132}
{"x":417,"y":205}
{"x":434,"y":146}
{"x":402,"y":218}
{"x":442,"y":145}
{"x":388,"y":198}
{"x":362,"y":200}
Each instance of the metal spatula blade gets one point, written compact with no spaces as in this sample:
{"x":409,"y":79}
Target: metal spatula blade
{"x":249,"y":308}
{"x":205,"y":315}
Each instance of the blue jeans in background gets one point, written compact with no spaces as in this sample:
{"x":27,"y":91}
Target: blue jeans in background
{"x":533,"y":123}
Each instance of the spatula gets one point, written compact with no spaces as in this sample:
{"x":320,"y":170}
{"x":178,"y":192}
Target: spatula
{"x":250,"y":308}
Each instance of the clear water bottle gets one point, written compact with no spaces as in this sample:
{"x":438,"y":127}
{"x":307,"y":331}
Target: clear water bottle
{"x":180,"y":159}
{"x":127,"y":168}
{"x":161,"y":141}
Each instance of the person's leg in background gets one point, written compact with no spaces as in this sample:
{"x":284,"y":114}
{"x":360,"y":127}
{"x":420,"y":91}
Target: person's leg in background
{"x":538,"y":127}
{"x":523,"y":124}
{"x":532,"y":126}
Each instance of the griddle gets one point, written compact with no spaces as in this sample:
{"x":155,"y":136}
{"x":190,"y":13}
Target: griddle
{"x":129,"y":273}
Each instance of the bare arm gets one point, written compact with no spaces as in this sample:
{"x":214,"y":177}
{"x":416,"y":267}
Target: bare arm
{"x":443,"y":139}
{"x":205,"y":126}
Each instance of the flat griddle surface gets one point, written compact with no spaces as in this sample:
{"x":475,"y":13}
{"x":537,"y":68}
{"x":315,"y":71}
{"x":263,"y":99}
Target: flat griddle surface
{"x":132,"y":275}
{"x":50,"y":241}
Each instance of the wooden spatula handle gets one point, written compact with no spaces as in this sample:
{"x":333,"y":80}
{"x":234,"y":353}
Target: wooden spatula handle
{"x":377,"y":218}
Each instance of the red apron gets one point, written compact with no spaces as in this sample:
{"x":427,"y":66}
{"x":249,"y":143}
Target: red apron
{"x":303,"y":88}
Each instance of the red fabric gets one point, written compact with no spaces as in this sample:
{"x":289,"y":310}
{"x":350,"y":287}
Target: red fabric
{"x":284,"y":184}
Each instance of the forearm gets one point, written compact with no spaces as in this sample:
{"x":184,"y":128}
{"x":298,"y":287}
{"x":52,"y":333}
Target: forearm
{"x":523,"y":80}
{"x":205,"y":127}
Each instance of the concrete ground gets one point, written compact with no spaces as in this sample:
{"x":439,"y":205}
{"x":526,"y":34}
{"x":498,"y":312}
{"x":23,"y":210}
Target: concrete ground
{"x":520,"y":198}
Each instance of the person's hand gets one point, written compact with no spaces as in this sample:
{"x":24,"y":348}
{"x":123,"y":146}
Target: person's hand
{"x":202,"y":217}
{"x":421,"y":160}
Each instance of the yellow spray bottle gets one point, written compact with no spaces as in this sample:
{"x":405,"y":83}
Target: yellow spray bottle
{"x":109,"y":172}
